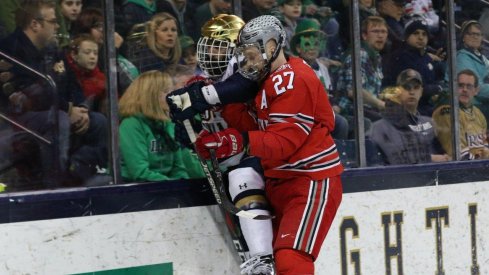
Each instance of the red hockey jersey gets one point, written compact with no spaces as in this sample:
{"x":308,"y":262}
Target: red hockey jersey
{"x":296,"y":121}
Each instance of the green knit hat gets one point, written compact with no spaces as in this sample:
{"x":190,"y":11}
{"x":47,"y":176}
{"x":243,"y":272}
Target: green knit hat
{"x":305,"y":27}
{"x":186,"y":41}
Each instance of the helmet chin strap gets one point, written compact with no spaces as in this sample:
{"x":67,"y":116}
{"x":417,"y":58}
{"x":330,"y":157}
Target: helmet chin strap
{"x":268,"y":67}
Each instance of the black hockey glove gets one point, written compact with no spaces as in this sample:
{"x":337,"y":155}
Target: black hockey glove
{"x":186,"y":102}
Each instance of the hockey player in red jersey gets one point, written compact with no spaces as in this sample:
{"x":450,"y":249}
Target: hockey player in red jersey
{"x":298,"y":154}
{"x":245,"y":176}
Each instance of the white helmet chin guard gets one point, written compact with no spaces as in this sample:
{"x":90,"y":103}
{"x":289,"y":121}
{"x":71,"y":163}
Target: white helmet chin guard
{"x":253,"y":62}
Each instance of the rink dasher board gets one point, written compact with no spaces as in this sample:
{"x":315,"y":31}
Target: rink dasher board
{"x":193,"y":239}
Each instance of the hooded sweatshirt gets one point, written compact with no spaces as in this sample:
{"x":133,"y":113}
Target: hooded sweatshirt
{"x":403,"y":138}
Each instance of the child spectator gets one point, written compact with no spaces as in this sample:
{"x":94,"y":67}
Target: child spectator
{"x":149,"y":151}
{"x":82,"y":59}
{"x":67,"y":12}
{"x":91,"y":22}
{"x":189,"y":53}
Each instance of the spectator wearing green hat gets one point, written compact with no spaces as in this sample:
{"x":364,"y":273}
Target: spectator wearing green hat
{"x":189,"y":53}
{"x":306,"y":43}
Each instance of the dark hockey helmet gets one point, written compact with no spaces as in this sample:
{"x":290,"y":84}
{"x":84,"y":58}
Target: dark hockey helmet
{"x":217,"y":43}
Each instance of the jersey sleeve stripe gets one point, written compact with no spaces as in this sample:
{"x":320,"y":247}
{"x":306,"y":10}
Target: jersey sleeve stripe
{"x":304,"y":127}
{"x":299,"y":116}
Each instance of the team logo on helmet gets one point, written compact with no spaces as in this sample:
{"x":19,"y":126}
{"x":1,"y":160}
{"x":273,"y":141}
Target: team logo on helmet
{"x":216,"y":46}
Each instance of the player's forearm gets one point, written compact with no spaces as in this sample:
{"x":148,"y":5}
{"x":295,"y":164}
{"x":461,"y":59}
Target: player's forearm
{"x":235,"y":89}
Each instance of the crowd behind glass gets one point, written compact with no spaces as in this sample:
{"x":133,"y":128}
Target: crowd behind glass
{"x":54,"y":130}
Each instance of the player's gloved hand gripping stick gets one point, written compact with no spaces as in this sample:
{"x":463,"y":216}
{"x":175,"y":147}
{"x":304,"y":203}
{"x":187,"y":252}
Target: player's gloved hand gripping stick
{"x":217,"y":182}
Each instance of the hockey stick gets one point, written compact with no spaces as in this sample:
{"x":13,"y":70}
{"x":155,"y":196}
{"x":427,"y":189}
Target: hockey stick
{"x":217,"y":185}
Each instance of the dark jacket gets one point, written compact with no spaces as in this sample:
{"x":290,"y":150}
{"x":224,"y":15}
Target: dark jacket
{"x":403,"y":138}
{"x":432,"y":73}
{"x":19,"y":46}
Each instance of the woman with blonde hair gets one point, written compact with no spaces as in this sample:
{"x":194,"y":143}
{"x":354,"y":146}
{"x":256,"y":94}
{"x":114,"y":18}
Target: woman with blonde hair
{"x":147,"y":140}
{"x":159,"y":47}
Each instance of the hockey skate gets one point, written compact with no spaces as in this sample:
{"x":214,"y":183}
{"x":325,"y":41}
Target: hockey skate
{"x":259,"y":265}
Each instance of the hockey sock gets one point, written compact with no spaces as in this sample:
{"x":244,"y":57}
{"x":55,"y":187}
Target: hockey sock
{"x":293,"y":262}
{"x":257,"y":233}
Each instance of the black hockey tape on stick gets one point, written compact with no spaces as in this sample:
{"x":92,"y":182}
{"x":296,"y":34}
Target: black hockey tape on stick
{"x":217,"y":183}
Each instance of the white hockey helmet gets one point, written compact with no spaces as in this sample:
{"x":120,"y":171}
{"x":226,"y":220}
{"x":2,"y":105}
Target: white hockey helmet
{"x":217,"y":43}
{"x":253,"y":61}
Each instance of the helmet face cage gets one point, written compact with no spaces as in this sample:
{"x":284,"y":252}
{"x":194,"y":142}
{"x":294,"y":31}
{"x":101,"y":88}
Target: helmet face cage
{"x":259,"y":31}
{"x":252,"y":60}
{"x":216,"y":46}
{"x":213,"y":55}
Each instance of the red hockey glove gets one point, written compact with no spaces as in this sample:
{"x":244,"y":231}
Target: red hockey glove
{"x":226,"y":143}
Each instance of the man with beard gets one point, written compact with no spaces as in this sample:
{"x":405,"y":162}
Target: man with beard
{"x":374,"y":36}
{"x":34,"y":43}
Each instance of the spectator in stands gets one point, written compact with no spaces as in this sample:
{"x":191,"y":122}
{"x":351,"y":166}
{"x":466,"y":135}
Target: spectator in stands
{"x":393,"y":11}
{"x":189,"y":54}
{"x":472,"y":123}
{"x":255,"y":8}
{"x":290,"y":13}
{"x":184,"y":12}
{"x":159,"y":47}
{"x":147,"y":142}
{"x":67,"y":13}
{"x":403,"y":135}
{"x":306,"y":43}
{"x":33,"y":42}
{"x":413,"y":55}
{"x":470,"y":57}
{"x":82,"y":59}
{"x":91,"y":21}
{"x":374,"y":36}
{"x":210,"y":9}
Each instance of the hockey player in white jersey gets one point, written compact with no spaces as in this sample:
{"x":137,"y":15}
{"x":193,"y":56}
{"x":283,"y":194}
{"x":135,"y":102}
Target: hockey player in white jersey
{"x":215,"y":51}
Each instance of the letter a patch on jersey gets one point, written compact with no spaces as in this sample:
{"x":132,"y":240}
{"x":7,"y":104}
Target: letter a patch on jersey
{"x":263,"y":100}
